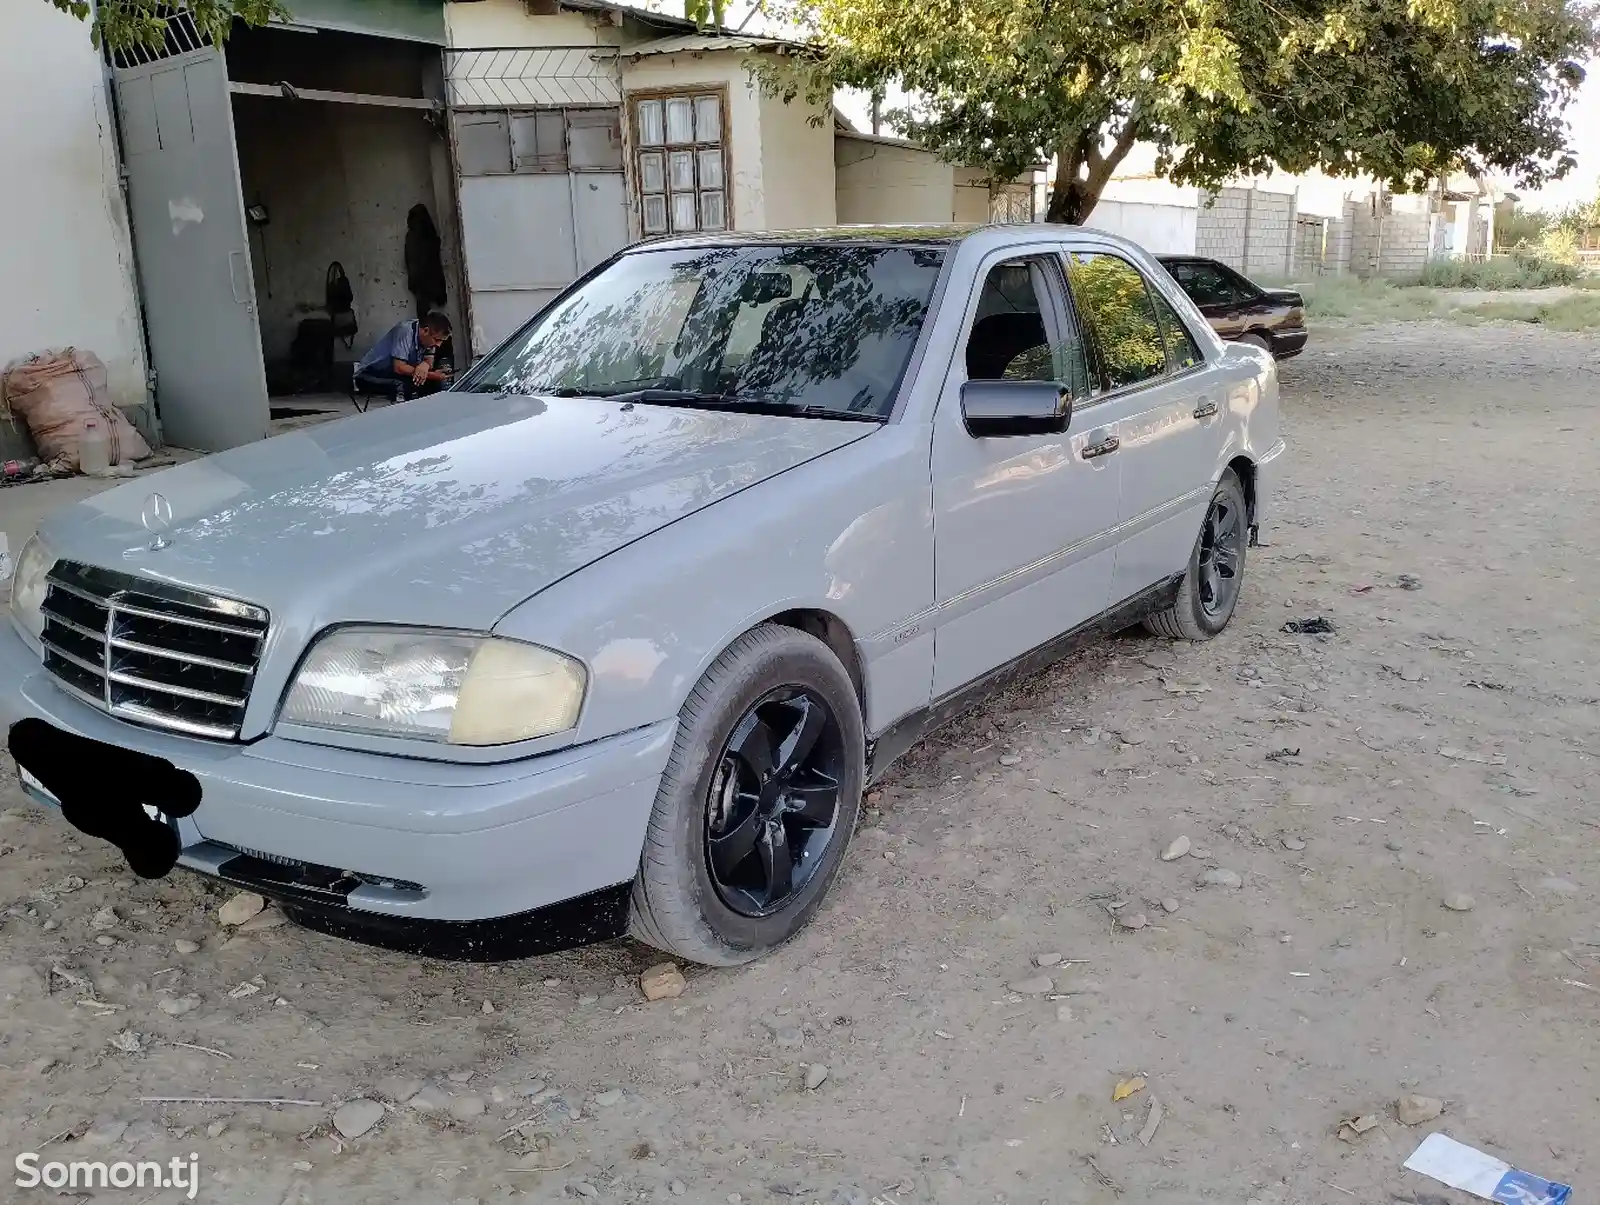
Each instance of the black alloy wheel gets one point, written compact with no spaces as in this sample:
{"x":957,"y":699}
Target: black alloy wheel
{"x":1222,"y":542}
{"x":773,"y":805}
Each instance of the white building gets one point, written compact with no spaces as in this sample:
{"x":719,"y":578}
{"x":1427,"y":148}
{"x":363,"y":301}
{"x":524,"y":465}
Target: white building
{"x":65,"y":255}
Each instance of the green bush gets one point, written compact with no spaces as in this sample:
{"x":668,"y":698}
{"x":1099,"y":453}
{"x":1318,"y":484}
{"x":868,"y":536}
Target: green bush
{"x":1519,"y":270}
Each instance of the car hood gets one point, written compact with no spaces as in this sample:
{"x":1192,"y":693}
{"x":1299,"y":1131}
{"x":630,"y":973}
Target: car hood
{"x":445,"y":511}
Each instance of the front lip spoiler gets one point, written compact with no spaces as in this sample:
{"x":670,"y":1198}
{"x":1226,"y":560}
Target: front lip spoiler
{"x":324,"y":906}
{"x":599,"y":916}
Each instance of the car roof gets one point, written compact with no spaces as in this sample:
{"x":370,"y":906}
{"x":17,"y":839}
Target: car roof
{"x":881,"y":236}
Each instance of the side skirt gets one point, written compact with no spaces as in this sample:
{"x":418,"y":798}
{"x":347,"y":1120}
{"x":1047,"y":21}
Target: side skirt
{"x":889,"y":745}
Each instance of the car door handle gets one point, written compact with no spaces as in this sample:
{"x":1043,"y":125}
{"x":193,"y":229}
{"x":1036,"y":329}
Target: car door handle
{"x":1104,"y":448}
{"x":1205,"y":409}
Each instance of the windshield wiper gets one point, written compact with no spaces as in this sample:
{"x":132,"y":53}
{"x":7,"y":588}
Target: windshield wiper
{"x":738,"y":404}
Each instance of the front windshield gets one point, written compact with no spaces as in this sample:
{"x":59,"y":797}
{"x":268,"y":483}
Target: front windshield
{"x":815,"y":329}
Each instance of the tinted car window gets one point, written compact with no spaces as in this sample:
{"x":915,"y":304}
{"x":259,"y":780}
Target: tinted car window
{"x":1010,"y":337}
{"x":827,"y":326}
{"x":1182,"y":351}
{"x":1208,"y":284}
{"x":1113,"y":299}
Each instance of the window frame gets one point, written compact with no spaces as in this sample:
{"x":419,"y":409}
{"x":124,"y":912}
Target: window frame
{"x":636,"y":149}
{"x":1241,"y":288}
{"x":1056,"y":308}
{"x":1105,"y":392}
{"x":505,"y":118}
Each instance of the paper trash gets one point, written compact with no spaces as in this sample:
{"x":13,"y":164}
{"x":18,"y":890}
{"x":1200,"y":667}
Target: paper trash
{"x":1460,"y":1166}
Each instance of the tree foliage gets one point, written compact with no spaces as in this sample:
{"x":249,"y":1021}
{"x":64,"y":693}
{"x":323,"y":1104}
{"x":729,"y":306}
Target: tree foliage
{"x":1403,"y":90}
{"x":705,"y":13}
{"x":124,"y":24}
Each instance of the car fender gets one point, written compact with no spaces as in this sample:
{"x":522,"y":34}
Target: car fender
{"x":849,"y":534}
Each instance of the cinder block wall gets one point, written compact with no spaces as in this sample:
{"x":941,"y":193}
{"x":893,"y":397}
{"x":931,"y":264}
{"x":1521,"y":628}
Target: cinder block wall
{"x":1220,"y":226}
{"x":1247,"y":229}
{"x":1387,"y":244}
{"x":1271,"y":230}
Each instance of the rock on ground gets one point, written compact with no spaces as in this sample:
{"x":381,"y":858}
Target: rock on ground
{"x":1418,"y":1110}
{"x":355,"y":1117}
{"x":240,"y":908}
{"x":662,"y":982}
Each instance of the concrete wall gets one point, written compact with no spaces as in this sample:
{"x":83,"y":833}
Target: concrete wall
{"x":507,"y":23}
{"x":1164,"y":229}
{"x":1248,"y":229}
{"x":337,"y":182}
{"x":797,"y":165}
{"x":1388,"y":243}
{"x":747,"y":183}
{"x":883,"y":181}
{"x":66,"y":256}
{"x":972,"y":200}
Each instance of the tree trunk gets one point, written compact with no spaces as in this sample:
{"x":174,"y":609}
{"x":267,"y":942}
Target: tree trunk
{"x":1083,"y":171}
{"x":1071,"y":202}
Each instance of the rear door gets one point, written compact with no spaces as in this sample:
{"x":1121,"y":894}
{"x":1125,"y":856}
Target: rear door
{"x":1170,"y":404}
{"x":189,"y":238}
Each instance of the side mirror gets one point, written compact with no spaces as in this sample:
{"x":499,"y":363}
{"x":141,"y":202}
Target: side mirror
{"x":999,"y":408}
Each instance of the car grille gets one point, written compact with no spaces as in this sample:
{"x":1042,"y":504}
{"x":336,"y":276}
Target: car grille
{"x":152,"y":653}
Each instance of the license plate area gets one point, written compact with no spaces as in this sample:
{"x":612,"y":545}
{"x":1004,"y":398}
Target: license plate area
{"x":130,"y":799}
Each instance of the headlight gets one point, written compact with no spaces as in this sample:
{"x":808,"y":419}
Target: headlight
{"x":436,"y":686}
{"x":28,"y":586}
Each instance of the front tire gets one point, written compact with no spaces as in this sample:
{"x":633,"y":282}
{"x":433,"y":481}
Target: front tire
{"x":757,"y":804}
{"x":1209,"y":592}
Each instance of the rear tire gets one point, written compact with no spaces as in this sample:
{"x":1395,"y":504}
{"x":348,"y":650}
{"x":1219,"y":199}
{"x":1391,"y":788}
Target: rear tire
{"x":1209,"y":592}
{"x":1261,"y":341}
{"x":696,"y":896}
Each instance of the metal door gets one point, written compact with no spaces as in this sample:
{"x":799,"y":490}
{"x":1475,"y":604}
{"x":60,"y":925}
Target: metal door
{"x":534,"y":220}
{"x":189,"y":237}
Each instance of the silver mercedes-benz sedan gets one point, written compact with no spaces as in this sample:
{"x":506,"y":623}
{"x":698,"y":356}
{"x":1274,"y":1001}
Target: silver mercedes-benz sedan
{"x":609,"y":637}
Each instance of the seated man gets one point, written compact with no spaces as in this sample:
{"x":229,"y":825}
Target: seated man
{"x":401,"y":363}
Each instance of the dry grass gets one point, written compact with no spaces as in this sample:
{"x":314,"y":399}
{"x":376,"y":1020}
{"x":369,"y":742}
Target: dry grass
{"x":1369,"y":302}
{"x":1573,"y":313}
{"x":1517,"y":271}
{"x":1347,"y":300}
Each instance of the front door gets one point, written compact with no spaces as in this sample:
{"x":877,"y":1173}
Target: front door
{"x":1022,"y":524}
{"x":190,"y":242}
{"x":1170,"y":404}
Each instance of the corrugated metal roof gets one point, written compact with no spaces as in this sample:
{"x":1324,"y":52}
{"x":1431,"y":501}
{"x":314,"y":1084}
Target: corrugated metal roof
{"x":648,"y":16}
{"x":697,"y":43}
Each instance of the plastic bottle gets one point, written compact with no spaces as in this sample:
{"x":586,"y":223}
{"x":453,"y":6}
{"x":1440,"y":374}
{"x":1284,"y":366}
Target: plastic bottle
{"x":94,"y":449}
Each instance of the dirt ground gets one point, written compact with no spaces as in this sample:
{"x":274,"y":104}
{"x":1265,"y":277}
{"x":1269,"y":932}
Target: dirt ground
{"x":1442,"y":740}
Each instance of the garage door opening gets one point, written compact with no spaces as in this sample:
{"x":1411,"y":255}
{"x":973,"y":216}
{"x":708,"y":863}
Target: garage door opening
{"x":346,"y":180}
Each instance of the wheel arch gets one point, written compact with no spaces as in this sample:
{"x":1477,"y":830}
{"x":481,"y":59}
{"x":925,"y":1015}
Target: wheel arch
{"x":833,"y":632}
{"x":1245,"y":470}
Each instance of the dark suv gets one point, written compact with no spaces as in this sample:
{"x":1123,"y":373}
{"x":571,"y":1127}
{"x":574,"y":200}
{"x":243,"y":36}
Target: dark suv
{"x":1240,"y":309}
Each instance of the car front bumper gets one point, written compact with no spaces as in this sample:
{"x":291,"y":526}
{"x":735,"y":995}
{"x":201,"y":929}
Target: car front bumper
{"x":421,"y":855}
{"x":1288,"y":342}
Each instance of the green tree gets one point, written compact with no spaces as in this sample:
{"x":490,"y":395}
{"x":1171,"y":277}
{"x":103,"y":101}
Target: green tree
{"x":705,"y":13}
{"x":1403,"y":90}
{"x":123,"y":24}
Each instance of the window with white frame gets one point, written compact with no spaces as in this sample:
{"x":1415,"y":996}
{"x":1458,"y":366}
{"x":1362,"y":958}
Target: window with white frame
{"x":681,"y":169}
